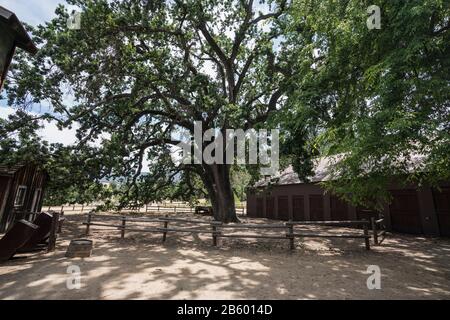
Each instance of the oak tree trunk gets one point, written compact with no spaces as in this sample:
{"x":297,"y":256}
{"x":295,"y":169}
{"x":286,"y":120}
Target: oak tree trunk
{"x":217,"y":182}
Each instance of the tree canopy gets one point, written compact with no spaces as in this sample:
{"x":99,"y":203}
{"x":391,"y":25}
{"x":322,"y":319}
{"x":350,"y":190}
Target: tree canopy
{"x":380,"y":96}
{"x":140,"y":70}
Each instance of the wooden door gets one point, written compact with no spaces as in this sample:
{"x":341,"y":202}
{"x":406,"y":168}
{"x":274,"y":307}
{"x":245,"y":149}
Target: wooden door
{"x":316,"y":207}
{"x":298,"y":208}
{"x":338,"y":209}
{"x":442,"y":205}
{"x":270,"y":208}
{"x":283,"y":208}
{"x":259,"y":208}
{"x":405,"y":214}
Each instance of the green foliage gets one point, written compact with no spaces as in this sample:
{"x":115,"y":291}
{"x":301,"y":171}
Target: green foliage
{"x":381,"y":96}
{"x":139,"y":70}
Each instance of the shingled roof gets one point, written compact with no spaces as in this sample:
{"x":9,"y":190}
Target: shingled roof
{"x":322,"y":172}
{"x":22,"y":39}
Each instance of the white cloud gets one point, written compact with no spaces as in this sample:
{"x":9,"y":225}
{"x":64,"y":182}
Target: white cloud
{"x":33,"y":12}
{"x":50,"y":132}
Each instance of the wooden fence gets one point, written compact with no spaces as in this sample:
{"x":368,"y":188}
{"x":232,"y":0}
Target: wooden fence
{"x":288,"y":230}
{"x":149,"y":208}
{"x":378,"y":230}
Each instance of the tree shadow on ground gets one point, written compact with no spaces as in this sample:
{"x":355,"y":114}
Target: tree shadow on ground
{"x":189,"y":267}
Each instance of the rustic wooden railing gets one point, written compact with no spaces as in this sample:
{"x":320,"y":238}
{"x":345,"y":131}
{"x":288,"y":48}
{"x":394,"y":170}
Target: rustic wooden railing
{"x":378,"y":230}
{"x":219,"y":230}
{"x":351,"y":223}
{"x":148,"y":208}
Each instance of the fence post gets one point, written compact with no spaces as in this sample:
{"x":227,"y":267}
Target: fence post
{"x":175,"y":209}
{"x":366,"y":234}
{"x":59,"y":223}
{"x":291,"y":235}
{"x":122,"y":233}
{"x":88,"y":223}
{"x":53,"y":229}
{"x":374,"y":230}
{"x":214,"y":234}
{"x":166,"y":224}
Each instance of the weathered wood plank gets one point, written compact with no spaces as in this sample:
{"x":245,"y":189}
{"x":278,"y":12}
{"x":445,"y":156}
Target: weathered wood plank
{"x":252,"y":236}
{"x":317,"y":235}
{"x":254,"y":226}
{"x":329,"y":223}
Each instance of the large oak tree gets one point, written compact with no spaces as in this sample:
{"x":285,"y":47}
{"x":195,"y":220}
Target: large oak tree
{"x":138,"y":70}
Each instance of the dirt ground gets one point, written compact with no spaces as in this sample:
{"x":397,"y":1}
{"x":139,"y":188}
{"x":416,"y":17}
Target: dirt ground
{"x":189,"y":267}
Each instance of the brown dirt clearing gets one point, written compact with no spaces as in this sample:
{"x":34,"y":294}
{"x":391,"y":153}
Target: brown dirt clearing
{"x":189,"y":267}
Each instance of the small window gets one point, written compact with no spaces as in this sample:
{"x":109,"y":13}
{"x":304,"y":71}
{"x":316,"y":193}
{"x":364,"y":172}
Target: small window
{"x":20,"y":196}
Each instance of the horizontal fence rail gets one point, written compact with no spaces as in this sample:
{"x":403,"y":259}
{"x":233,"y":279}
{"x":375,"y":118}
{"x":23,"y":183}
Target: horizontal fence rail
{"x":287,"y":231}
{"x":149,"y":208}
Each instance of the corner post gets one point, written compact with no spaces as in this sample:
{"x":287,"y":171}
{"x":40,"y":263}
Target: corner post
{"x":122,"y":233}
{"x":366,"y":234}
{"x":166,"y":224}
{"x":88,"y":223}
{"x":53,"y":230}
{"x":374,"y":230}
{"x":290,"y":235}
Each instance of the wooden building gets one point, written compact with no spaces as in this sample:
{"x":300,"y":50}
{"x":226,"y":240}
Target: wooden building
{"x":414,"y":210}
{"x":21,"y":190}
{"x":12,"y":35}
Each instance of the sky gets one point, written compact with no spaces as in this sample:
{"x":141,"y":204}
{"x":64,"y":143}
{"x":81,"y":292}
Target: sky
{"x":33,"y":12}
{"x":36,"y":12}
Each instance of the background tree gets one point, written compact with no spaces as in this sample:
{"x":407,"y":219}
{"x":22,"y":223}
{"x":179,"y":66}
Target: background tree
{"x":139,"y":70}
{"x":381,"y":97}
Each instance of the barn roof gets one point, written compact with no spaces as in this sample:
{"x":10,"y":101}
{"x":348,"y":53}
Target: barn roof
{"x":10,"y":170}
{"x":321,"y":171}
{"x":22,"y":39}
{"x":289,"y":176}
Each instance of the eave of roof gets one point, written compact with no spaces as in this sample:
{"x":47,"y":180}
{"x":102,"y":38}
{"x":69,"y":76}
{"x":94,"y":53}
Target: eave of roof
{"x":10,"y":170}
{"x":22,"y":39}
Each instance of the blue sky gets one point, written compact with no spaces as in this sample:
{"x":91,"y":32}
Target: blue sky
{"x":33,"y":12}
{"x":37,"y":12}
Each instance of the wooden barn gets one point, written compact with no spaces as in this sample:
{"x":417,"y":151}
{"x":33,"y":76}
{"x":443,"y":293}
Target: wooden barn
{"x":21,"y":191}
{"x":13,"y":35}
{"x":414,"y":210}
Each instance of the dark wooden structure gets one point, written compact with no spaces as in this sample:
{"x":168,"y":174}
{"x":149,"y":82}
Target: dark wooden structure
{"x":204,"y":210}
{"x":21,"y":193}
{"x":15,"y":238}
{"x":414,"y":210}
{"x":12,"y":35}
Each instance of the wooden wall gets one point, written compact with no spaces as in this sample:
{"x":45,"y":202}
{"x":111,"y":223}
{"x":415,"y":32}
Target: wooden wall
{"x":33,"y":179}
{"x":413,"y":210}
